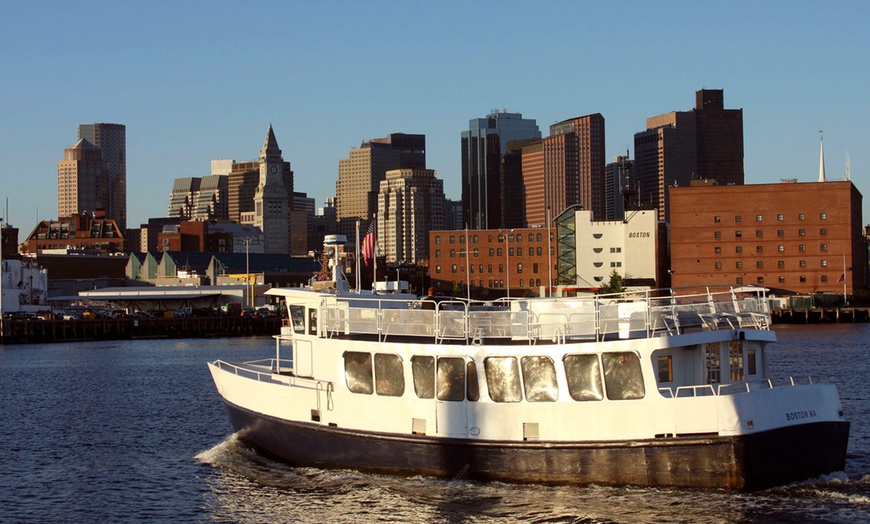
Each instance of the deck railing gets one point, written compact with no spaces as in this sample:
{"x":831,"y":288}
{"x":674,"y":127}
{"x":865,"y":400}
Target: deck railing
{"x":736,"y":388}
{"x":600,"y":317}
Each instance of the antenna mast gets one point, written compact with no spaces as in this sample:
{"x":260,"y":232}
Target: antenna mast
{"x":848,"y":167}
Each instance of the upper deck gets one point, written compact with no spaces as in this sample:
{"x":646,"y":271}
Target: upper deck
{"x":525,"y":320}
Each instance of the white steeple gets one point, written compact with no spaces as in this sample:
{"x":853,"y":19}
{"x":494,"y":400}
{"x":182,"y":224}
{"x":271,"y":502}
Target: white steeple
{"x":821,"y":157}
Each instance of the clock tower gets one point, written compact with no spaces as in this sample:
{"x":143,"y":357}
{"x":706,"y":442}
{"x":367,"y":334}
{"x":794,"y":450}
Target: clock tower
{"x":271,"y":203}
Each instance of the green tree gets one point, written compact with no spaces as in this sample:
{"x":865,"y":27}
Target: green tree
{"x":616,"y":284}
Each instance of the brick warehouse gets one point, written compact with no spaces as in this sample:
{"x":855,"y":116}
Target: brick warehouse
{"x":793,"y":238}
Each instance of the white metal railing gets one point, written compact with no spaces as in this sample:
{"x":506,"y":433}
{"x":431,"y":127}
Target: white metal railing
{"x":265,"y":370}
{"x":736,"y":388}
{"x":634,"y":315}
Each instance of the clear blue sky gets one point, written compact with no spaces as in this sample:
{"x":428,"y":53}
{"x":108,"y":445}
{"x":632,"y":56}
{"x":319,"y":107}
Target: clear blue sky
{"x":196,"y":81}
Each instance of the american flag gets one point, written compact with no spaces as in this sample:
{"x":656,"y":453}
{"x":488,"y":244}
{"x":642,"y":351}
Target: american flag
{"x":842,"y":278}
{"x":368,"y":244}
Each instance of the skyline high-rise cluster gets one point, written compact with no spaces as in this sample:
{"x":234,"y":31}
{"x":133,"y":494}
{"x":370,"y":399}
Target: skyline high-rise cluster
{"x":360,"y":175}
{"x":511,"y":176}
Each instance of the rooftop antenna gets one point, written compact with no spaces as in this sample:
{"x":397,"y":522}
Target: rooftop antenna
{"x":848,"y":167}
{"x":821,"y":157}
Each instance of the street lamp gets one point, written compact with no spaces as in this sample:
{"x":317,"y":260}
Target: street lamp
{"x":248,"y":291}
{"x":467,"y":266}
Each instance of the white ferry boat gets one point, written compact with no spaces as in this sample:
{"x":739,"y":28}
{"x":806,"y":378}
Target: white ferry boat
{"x":648,"y":389}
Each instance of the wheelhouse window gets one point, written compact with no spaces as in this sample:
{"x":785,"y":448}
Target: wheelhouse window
{"x":297,"y":317}
{"x":751,"y":368}
{"x":503,"y":379}
{"x":666,"y":368}
{"x":583,"y":373}
{"x":623,"y":379}
{"x":735,"y":359}
{"x":312,"y":321}
{"x":712,"y":359}
{"x":539,"y":379}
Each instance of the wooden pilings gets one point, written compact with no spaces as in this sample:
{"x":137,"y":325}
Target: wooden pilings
{"x":821,"y":315}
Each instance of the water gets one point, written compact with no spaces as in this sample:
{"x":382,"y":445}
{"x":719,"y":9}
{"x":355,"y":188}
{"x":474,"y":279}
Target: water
{"x":133,"y":431}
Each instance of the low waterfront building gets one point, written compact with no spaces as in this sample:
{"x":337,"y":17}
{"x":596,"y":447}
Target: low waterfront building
{"x":793,"y":238}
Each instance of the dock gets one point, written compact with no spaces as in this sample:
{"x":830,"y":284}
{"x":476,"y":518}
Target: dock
{"x":821,"y":315}
{"x":36,"y":331}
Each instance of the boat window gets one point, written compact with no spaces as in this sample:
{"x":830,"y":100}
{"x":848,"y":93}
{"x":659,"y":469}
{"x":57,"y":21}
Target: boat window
{"x":312,"y":321}
{"x":539,"y":379}
{"x":423,"y":369}
{"x":750,"y":362}
{"x":358,"y":372}
{"x":666,"y":368}
{"x":711,"y":355}
{"x":297,"y":316}
{"x":389,"y":375}
{"x":735,"y":358}
{"x":451,"y":378}
{"x":584,"y":377}
{"x":622,"y":376}
{"x":472,"y":389}
{"x":503,"y":379}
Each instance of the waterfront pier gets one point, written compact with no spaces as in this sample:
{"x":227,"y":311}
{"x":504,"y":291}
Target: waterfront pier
{"x":32,"y":330}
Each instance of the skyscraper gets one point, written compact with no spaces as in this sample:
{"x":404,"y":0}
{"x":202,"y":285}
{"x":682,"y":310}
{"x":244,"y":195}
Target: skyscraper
{"x":618,"y":188}
{"x":111,"y":139}
{"x":81,"y":179}
{"x":565,"y":169}
{"x":272,"y":204}
{"x":483,"y":146}
{"x":410,"y":204}
{"x":704,"y":143}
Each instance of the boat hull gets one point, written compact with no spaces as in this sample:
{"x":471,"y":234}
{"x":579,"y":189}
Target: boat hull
{"x":740,"y":463}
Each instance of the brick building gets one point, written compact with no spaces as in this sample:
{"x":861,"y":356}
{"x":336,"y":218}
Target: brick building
{"x":78,"y":232}
{"x":793,"y":238}
{"x":513,"y":262}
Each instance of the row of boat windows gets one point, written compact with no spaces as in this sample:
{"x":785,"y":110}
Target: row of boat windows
{"x":508,"y":379}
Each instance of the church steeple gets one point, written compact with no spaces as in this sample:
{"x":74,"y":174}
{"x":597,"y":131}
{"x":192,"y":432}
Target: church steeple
{"x":270,"y":150}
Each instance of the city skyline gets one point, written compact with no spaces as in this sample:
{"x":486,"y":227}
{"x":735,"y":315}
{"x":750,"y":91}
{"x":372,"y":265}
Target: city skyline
{"x":191,"y":88}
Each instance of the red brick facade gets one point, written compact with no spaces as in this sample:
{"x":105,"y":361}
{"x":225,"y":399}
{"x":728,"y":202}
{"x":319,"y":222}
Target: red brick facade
{"x":526,"y":255}
{"x":794,"y":238}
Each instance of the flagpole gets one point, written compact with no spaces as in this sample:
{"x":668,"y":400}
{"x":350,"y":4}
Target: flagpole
{"x":375,"y":253}
{"x":845,"y":300}
{"x":467,"y":265}
{"x":549,"y":256}
{"x":358,"y":274}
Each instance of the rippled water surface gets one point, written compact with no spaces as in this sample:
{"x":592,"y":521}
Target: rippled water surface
{"x":133,"y":431}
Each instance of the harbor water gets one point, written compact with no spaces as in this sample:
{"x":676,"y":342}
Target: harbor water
{"x":134,"y":431}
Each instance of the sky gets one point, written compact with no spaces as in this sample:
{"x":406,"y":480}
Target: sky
{"x":195,"y":81}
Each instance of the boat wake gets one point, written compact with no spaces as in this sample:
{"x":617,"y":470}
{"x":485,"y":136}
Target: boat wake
{"x":249,"y":486}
